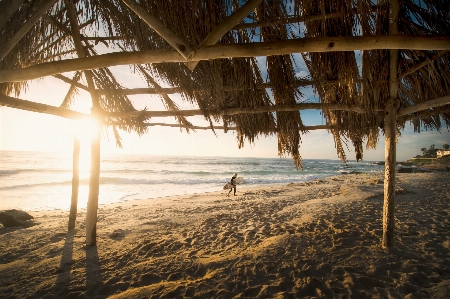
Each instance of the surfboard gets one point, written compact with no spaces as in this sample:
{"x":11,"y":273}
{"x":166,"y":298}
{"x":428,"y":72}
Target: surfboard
{"x":238,"y":181}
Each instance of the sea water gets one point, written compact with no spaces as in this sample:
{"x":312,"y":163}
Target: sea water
{"x":37,"y":181}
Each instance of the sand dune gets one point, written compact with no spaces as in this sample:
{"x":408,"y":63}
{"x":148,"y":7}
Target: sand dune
{"x":319,"y":239}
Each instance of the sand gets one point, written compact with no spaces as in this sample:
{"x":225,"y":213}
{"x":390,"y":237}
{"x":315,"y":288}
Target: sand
{"x":320,"y":239}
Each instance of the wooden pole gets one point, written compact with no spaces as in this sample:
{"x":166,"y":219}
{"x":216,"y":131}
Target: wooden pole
{"x":9,"y":45}
{"x":425,"y":105}
{"x":390,"y":132}
{"x":40,"y":108}
{"x":94,"y":188}
{"x":94,"y":179}
{"x":11,"y":8}
{"x":75,"y":182}
{"x":179,"y":45}
{"x":316,"y":44}
{"x":225,"y":26}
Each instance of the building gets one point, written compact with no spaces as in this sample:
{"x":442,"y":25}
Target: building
{"x":442,"y":153}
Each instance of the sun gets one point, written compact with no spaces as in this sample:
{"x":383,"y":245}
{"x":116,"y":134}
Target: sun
{"x":85,"y":128}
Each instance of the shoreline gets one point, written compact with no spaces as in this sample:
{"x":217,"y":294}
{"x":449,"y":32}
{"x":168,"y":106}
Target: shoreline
{"x":320,"y":238}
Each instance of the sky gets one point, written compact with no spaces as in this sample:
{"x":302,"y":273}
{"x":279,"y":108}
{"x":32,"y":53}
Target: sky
{"x":29,"y":131}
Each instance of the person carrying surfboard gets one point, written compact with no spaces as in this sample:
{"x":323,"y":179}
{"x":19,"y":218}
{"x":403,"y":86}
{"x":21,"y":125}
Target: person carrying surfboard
{"x":233,"y":184}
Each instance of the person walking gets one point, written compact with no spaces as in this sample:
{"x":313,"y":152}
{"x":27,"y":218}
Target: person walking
{"x":233,"y":184}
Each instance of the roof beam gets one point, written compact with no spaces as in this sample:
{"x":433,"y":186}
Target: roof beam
{"x":41,"y":108}
{"x":317,"y":44}
{"x":422,"y":64}
{"x":236,"y":111}
{"x":172,"y":90}
{"x":10,"y":44}
{"x":299,"y":19}
{"x":71,"y":82}
{"x":225,"y":26}
{"x":159,"y":27}
{"x":306,"y":128}
{"x":102,"y":38}
{"x":425,"y":114}
{"x":11,"y":8}
{"x":425,"y":105}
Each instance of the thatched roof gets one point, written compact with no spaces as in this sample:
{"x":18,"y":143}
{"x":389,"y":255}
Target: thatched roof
{"x":224,"y":79}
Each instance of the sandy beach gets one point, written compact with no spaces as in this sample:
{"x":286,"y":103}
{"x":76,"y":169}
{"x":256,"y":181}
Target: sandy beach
{"x":320,"y":239}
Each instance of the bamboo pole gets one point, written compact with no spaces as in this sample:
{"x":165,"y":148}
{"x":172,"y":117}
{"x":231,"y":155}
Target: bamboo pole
{"x":75,"y":182}
{"x":94,"y":179}
{"x":10,"y":44}
{"x":316,"y":44}
{"x":390,"y":132}
{"x":225,"y":26}
{"x":179,"y":45}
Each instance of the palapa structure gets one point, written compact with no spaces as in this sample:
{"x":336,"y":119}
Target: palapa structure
{"x":208,"y":52}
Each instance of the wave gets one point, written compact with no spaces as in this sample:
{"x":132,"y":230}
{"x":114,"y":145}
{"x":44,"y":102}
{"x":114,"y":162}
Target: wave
{"x":6,"y":172}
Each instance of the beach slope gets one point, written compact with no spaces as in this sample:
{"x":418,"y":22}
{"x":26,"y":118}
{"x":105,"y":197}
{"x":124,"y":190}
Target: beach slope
{"x":320,"y":239}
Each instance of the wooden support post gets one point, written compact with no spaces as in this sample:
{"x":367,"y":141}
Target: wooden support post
{"x":75,"y":182}
{"x":94,"y":187}
{"x":94,"y":179}
{"x":390,"y":133}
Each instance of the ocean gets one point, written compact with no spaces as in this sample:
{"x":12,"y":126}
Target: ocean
{"x":38,"y":181}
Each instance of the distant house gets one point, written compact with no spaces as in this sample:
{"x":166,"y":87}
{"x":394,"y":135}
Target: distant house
{"x":442,"y":153}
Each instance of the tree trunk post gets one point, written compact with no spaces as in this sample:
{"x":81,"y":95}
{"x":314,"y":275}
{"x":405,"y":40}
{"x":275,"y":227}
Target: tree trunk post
{"x":75,"y":182}
{"x":94,"y":186}
{"x":94,"y":180}
{"x":390,"y":132}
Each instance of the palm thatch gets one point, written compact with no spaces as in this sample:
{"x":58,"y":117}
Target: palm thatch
{"x":232,"y":83}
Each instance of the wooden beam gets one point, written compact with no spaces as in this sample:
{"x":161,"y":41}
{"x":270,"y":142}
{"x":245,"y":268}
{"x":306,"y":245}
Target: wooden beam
{"x":307,"y":128}
{"x":11,"y":8}
{"x":390,"y":134}
{"x":225,"y":26}
{"x":12,"y":42}
{"x":171,"y":90}
{"x":71,"y":82}
{"x":134,"y":91}
{"x":159,"y":27}
{"x":422,"y":64}
{"x":319,"y":44}
{"x":425,"y":114}
{"x":425,"y":105}
{"x":236,"y":111}
{"x":298,"y":19}
{"x":102,"y":38}
{"x":40,"y":108}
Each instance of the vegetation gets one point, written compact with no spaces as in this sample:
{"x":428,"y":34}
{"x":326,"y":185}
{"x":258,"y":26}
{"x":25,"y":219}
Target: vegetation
{"x":428,"y":156}
{"x":431,"y":152}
